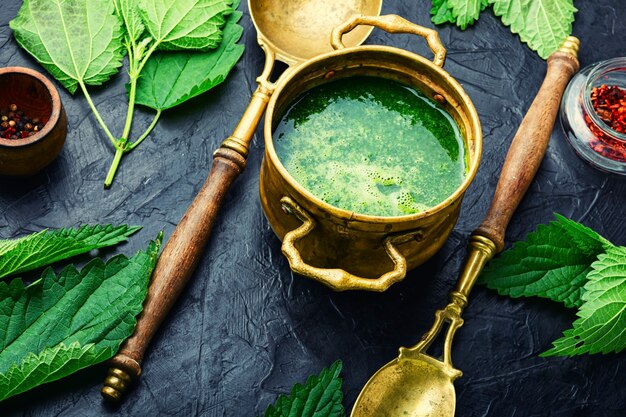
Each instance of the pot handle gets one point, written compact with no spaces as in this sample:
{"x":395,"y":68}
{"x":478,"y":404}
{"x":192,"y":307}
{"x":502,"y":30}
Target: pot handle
{"x":338,"y":279}
{"x":391,"y":23}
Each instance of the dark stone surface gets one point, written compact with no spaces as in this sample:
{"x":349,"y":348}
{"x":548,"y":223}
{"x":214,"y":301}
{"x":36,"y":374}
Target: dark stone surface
{"x":246,"y":329}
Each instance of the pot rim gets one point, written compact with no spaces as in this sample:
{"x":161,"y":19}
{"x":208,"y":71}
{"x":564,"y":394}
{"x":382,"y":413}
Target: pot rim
{"x":343,"y":214}
{"x":55,"y":113}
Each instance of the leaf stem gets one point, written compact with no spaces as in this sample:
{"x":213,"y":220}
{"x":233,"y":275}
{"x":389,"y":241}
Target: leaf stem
{"x":129,"y":51}
{"x":133,"y":75}
{"x":136,"y":62}
{"x":123,"y":146}
{"x":97,"y":114}
{"x":131,"y":107}
{"x":146,"y":133}
{"x":119,"y":153}
{"x":147,"y":56}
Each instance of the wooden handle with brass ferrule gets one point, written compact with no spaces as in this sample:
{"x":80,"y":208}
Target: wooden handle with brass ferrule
{"x":521,"y":164}
{"x":530,"y":143}
{"x":184,"y":248}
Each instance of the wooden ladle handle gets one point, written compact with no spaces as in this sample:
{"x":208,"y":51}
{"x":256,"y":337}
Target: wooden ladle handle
{"x":184,"y":248}
{"x":520,"y":166}
{"x":530,"y":143}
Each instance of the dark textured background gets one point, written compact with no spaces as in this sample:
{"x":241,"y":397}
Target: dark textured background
{"x":246,"y":329}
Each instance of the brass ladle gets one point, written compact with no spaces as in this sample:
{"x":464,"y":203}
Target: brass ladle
{"x":416,"y":384}
{"x":290,"y":31}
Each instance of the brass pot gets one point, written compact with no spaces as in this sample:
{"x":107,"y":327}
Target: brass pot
{"x":342,"y":249}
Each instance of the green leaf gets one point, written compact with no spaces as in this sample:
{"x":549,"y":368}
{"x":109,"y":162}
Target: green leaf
{"x":170,"y":78}
{"x":76,"y":41}
{"x":548,"y":24}
{"x":128,"y":12}
{"x":601,"y":326}
{"x":512,"y":12}
{"x":63,"y":323}
{"x":542,"y":24}
{"x":50,"y":365}
{"x":442,"y":12}
{"x":185,"y":24}
{"x":584,"y":238}
{"x":321,"y":396}
{"x":466,"y":12}
{"x":49,"y":246}
{"x":553,"y":262}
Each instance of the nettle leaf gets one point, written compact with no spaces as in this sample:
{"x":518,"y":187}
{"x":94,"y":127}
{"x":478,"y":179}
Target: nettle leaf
{"x":171,"y":78}
{"x":542,"y":24}
{"x":442,"y":12}
{"x":49,"y":246}
{"x":50,"y":365}
{"x":128,"y":12}
{"x":467,"y":12}
{"x":584,"y":238}
{"x":76,"y":41}
{"x":548,"y":24}
{"x":321,"y":396}
{"x":512,"y":12}
{"x":64,"y":323}
{"x":185,"y":24}
{"x":553,"y":262}
{"x":601,"y":326}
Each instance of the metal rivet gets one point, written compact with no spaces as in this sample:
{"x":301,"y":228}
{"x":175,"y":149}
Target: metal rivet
{"x":439,"y":98}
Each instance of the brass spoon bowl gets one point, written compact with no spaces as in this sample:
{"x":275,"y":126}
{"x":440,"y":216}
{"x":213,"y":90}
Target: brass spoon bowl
{"x":416,"y":384}
{"x":298,"y":30}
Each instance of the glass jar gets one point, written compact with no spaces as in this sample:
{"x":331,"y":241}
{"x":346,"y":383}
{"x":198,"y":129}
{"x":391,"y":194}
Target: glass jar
{"x":593,"y":139}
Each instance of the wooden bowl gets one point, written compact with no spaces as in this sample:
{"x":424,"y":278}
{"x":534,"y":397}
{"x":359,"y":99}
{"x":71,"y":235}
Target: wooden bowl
{"x":38,"y":98}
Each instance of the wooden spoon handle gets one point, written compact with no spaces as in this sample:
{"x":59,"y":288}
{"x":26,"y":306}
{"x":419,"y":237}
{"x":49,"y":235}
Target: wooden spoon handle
{"x":522,"y":162}
{"x":175,"y":266}
{"x":529,"y":145}
{"x":184,"y":248}
{"x":520,"y":166}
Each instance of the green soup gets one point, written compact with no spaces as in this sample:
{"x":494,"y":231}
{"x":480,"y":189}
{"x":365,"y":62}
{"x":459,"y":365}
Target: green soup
{"x":372,"y":146}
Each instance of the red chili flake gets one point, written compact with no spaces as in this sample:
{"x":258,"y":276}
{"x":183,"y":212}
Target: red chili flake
{"x":609,"y":103}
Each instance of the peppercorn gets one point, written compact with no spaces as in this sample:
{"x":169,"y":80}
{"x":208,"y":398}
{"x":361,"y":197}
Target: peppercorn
{"x":17,"y":125}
